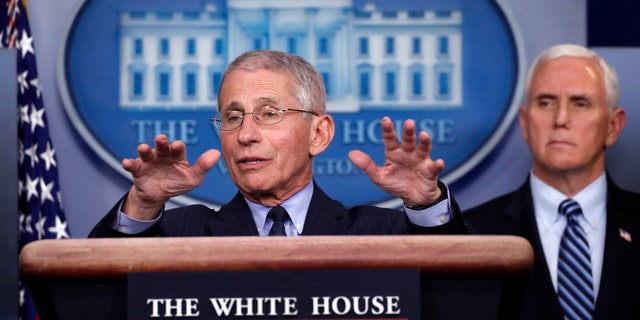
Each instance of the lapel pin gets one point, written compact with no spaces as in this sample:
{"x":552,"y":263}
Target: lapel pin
{"x":624,"y":234}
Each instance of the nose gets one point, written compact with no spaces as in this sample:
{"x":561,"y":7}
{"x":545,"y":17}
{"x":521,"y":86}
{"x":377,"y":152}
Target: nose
{"x":248,"y":132}
{"x":562,"y":114}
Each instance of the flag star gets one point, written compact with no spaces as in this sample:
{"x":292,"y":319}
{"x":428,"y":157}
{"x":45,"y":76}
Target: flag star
{"x":17,"y":8}
{"x":40,"y":227}
{"x":27,"y":225}
{"x":59,"y":196}
{"x":49,"y":157}
{"x":20,"y":153}
{"x":31,"y":187}
{"x":24,"y":115}
{"x":36,"y":84}
{"x":59,"y":229}
{"x":36,"y":119}
{"x":33,"y":154}
{"x":26,"y":43}
{"x":22,"y":296}
{"x":21,"y":222}
{"x":22,"y":81}
{"x":45,"y":191}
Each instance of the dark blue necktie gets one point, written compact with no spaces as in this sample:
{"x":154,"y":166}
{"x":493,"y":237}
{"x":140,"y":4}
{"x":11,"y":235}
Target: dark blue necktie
{"x":279,"y":215}
{"x":575,"y":284}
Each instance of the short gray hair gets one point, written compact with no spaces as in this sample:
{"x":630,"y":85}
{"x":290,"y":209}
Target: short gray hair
{"x":308,"y":89}
{"x":611,"y":85}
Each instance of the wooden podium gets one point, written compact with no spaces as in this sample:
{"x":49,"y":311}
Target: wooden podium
{"x":86,"y":278}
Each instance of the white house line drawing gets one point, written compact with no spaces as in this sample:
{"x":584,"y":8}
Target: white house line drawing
{"x":369,"y":58}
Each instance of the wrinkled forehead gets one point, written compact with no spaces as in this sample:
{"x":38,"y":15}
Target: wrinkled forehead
{"x":242,"y":88}
{"x":567,"y":72}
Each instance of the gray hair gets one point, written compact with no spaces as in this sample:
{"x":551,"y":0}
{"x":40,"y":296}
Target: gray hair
{"x":611,"y":86}
{"x":308,"y":89}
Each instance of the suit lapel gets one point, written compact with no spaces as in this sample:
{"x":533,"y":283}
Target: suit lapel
{"x":325,"y":215}
{"x":618,"y":253}
{"x":519,"y":219}
{"x":234,"y":219}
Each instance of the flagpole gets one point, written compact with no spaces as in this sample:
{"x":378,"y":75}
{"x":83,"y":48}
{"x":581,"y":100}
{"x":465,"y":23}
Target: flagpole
{"x":9,"y":186}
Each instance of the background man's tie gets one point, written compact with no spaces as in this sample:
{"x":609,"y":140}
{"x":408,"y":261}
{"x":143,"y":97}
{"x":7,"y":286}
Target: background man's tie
{"x":575,"y":284}
{"x":279,"y":215}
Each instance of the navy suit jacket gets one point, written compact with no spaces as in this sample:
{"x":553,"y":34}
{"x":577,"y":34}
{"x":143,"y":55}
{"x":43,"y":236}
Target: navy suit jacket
{"x":619,"y":292}
{"x":325,"y":217}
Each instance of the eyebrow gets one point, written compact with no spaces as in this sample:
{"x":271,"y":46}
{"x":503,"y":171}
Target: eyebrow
{"x":577,"y":97}
{"x":541,"y":96}
{"x":573,"y":97}
{"x":262,"y":101}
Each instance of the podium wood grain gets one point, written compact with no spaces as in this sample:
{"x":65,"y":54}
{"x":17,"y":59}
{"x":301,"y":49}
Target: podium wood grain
{"x":433,"y":255}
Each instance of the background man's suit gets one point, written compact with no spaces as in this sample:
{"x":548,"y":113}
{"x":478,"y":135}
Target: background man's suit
{"x":619,"y":295}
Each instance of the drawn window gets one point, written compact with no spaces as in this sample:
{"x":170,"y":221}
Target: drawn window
{"x":191,"y":47}
{"x":443,"y":46}
{"x":164,"y":47}
{"x":190,"y":81}
{"x":218,"y":47}
{"x":363,"y":46}
{"x":389,"y":46}
{"x":365,"y":79}
{"x":163,"y":74}
{"x":137,"y":81}
{"x":327,"y":83}
{"x":257,"y":43}
{"x":291,"y":45}
{"x":323,"y":47}
{"x":216,"y":78}
{"x":444,"y":81}
{"x":390,"y":81}
{"x":416,"y":46}
{"x":138,"y":47}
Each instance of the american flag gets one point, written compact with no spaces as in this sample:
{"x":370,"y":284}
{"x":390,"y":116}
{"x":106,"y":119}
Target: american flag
{"x":41,"y":214}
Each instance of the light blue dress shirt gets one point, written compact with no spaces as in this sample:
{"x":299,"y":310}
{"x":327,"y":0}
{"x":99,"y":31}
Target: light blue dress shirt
{"x":551,"y":224}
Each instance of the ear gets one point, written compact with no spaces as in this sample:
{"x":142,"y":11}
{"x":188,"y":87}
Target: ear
{"x":322,"y":131}
{"x":522,"y":116}
{"x":617,"y":120}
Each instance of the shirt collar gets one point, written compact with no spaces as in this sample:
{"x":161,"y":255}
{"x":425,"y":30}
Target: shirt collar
{"x":296,"y":206}
{"x":592,"y":200}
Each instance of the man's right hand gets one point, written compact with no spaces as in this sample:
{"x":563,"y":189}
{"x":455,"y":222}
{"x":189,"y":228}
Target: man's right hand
{"x":161,"y":173}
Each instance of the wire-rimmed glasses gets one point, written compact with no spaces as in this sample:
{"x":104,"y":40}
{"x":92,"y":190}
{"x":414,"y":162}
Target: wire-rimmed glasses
{"x":265,"y":115}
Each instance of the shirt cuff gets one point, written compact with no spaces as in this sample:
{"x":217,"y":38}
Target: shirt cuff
{"x":434,"y":216}
{"x":128,"y":225}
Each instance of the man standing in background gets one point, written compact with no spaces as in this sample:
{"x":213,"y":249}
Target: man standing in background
{"x":581,"y":225}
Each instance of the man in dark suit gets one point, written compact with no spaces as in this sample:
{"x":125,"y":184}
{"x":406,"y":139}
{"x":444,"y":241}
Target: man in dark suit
{"x":272,"y":121}
{"x":570,"y":116}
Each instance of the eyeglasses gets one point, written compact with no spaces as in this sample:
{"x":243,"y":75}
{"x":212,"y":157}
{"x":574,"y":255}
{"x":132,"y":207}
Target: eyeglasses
{"x":265,"y":115}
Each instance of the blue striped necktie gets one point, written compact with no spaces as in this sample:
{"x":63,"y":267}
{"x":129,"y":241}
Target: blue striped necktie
{"x":575,"y":284}
{"x":279,"y":215}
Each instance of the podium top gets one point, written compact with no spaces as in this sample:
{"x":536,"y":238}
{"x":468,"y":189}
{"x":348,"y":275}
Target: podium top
{"x":441,"y":255}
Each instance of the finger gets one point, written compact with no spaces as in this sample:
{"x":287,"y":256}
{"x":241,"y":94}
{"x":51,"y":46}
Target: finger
{"x":162,"y":147}
{"x":389,"y":135}
{"x":145,"y":153}
{"x":205,"y":162}
{"x":438,"y":167}
{"x":178,"y":150}
{"x":131,"y":165}
{"x":409,"y":135}
{"x":425,"y":146}
{"x":363,"y":161}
